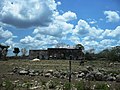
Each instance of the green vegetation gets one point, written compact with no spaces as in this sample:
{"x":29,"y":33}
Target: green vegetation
{"x":80,"y":85}
{"x":24,"y":82}
{"x":16,"y":51}
{"x":112,"y":54}
{"x":102,"y":86}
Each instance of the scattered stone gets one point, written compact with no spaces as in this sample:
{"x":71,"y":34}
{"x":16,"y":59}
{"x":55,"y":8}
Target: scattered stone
{"x":87,"y":74}
{"x":50,"y":84}
{"x":23,"y":72}
{"x":90,"y":76}
{"x":56,"y":74}
{"x":118,"y":78}
{"x":64,"y":73}
{"x":36,"y":59}
{"x":111,"y":78}
{"x":15,"y":70}
{"x":84,"y":71}
{"x":102,"y":70}
{"x":62,"y":76}
{"x":48,"y":75}
{"x":11,"y":73}
{"x":81,"y":75}
{"x":99,"y":76}
{"x":35,"y":87}
{"x":50,"y":71}
{"x":89,"y":68}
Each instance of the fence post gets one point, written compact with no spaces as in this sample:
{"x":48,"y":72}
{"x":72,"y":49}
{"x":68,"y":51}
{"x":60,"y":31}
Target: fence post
{"x":70,"y":72}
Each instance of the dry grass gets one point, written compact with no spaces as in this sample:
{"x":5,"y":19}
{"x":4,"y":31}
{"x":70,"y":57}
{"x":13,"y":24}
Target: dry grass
{"x":7,"y":66}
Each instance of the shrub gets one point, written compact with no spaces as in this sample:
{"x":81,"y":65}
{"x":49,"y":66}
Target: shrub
{"x":80,"y":85}
{"x":66,"y":86}
{"x":102,"y":86}
{"x":51,"y":84}
{"x":8,"y":85}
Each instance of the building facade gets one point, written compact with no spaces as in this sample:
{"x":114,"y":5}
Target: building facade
{"x":40,"y":54}
{"x":57,"y":53}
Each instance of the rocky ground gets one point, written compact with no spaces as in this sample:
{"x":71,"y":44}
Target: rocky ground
{"x":54,"y":75}
{"x":89,"y":73}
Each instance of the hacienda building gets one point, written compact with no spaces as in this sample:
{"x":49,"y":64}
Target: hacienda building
{"x":57,"y":53}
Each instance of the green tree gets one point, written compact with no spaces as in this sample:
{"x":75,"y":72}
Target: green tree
{"x":23,"y":51}
{"x":16,"y":51}
{"x":112,"y":54}
{"x":88,"y":56}
{"x":3,"y":51}
{"x":79,"y":46}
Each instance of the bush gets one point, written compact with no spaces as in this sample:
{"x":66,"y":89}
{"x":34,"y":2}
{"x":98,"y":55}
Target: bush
{"x":102,"y":86}
{"x":8,"y":85}
{"x":80,"y":85}
{"x":51,"y":84}
{"x":66,"y":86}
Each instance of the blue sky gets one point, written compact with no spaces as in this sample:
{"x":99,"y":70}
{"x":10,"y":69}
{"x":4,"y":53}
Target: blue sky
{"x":41,"y":24}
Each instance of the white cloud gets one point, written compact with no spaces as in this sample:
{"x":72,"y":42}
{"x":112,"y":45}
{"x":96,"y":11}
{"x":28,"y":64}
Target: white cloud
{"x":81,"y":28}
{"x":107,"y":43}
{"x":75,"y":39}
{"x":54,"y":33}
{"x":52,"y":30}
{"x":29,"y":13}
{"x":115,"y":32}
{"x":23,"y":13}
{"x":112,"y":16}
{"x":106,"y":33}
{"x":95,"y":33}
{"x":58,"y":28}
{"x":11,"y":44}
{"x":94,"y":37}
{"x":27,"y":39}
{"x":92,"y":21}
{"x":31,"y":42}
{"x":67,"y":16}
{"x":4,"y":34}
{"x":39,"y":41}
{"x":118,"y":43}
{"x":58,"y":3}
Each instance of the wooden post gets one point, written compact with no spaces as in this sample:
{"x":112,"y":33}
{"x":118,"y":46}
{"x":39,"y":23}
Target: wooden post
{"x":70,"y":72}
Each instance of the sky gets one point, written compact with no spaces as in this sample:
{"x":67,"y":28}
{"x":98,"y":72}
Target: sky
{"x":42,"y":24}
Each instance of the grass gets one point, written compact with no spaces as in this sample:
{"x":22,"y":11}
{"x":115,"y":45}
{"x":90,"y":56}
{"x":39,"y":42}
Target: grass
{"x":7,"y":66}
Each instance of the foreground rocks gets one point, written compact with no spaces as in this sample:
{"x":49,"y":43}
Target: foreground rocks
{"x":89,"y":73}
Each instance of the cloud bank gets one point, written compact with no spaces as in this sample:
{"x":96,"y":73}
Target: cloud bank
{"x":50,"y":27}
{"x":5,"y":34}
{"x":24,"y":13}
{"x":112,"y":16}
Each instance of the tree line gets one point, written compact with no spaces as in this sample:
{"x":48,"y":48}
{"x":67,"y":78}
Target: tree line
{"x":16,"y":51}
{"x":109,"y":54}
{"x":112,"y":54}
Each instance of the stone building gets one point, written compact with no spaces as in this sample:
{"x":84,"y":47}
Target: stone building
{"x":40,"y":54}
{"x":57,"y":53}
